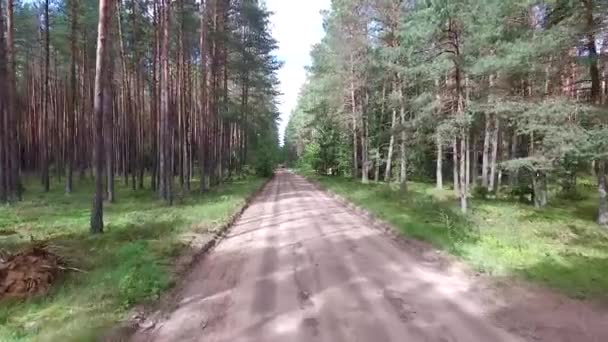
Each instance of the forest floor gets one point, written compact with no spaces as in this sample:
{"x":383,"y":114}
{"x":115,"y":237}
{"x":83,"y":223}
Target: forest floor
{"x":303,"y":265}
{"x":132,"y":262}
{"x":559,"y":246}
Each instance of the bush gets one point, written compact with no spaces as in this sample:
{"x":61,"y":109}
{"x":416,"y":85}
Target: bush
{"x":481,"y":192}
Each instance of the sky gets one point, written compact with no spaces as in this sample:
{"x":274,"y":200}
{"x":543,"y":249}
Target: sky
{"x":297,"y":25}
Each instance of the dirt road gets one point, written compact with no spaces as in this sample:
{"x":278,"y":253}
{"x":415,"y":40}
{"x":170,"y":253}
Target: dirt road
{"x":300,"y":266}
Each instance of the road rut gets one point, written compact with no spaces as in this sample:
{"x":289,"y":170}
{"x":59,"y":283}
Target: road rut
{"x":300,"y":266}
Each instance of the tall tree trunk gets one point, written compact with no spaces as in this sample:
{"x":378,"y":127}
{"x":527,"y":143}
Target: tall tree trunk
{"x":602,"y":212}
{"x":44,"y":150}
{"x":71,"y":112}
{"x":403,"y":145}
{"x":468,"y":162}
{"x":364,"y":147}
{"x":108,"y":127}
{"x":166,"y":151}
{"x":455,"y":167}
{"x":391,"y":144}
{"x":463,"y":167}
{"x":439,"y":164}
{"x":4,"y":167}
{"x":494,"y":156}
{"x":14,"y":185}
{"x":353,"y":99}
{"x":105,"y":8}
{"x":592,"y":52}
{"x":474,"y":162}
{"x":485,"y":159}
{"x":204,"y":104}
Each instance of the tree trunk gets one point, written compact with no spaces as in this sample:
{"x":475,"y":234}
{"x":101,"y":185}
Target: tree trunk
{"x":391,"y":144}
{"x":44,"y":150}
{"x":365,"y":163}
{"x":539,"y":186}
{"x":354,"y":119}
{"x":402,"y":149}
{"x":455,"y":167}
{"x":71,"y":112}
{"x":463,"y":168}
{"x":602,"y":214}
{"x":166,"y":172}
{"x":105,"y":8}
{"x":204,"y":103}
{"x":377,"y":168}
{"x":468,"y":162}
{"x":14,"y":186}
{"x":439,"y":162}
{"x":108,"y":128}
{"x":486,"y":152}
{"x":3,"y":112}
{"x":494,"y":156}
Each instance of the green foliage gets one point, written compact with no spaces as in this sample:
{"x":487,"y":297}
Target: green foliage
{"x":265,"y":161}
{"x":140,"y":276}
{"x":128,"y":264}
{"x":310,"y":159}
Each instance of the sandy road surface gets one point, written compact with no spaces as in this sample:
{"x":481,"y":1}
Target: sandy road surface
{"x":300,"y":266}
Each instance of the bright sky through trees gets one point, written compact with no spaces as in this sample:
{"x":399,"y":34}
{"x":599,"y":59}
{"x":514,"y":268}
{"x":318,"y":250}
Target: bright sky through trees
{"x":297,"y":25}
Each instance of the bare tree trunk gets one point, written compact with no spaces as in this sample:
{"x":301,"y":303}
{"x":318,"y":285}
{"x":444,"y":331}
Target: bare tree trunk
{"x":46,"y":106}
{"x":71,"y":112}
{"x":539,"y":185}
{"x":602,"y":212}
{"x":108,"y":128}
{"x":4,"y":167}
{"x":403,"y":147}
{"x":166,"y":172}
{"x":439,"y":162}
{"x":377,"y":168}
{"x":514,"y":147}
{"x":455,"y":167}
{"x":463,"y":168}
{"x":468,"y":162}
{"x":391,"y":144}
{"x":204,"y":103}
{"x":14,"y":185}
{"x":494,"y":157}
{"x":354,"y":117}
{"x":486,"y":152}
{"x":364,"y":148}
{"x":105,"y":8}
{"x":474,"y":162}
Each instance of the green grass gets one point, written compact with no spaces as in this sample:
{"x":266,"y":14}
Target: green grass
{"x":130,"y":263}
{"x":559,"y":246}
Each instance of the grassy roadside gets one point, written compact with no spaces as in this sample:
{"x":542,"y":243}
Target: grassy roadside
{"x":130,"y":263}
{"x":560,"y":246}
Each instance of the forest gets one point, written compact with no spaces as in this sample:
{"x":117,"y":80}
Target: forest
{"x":142,"y":120}
{"x":492,"y":98}
{"x":178,"y":90}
